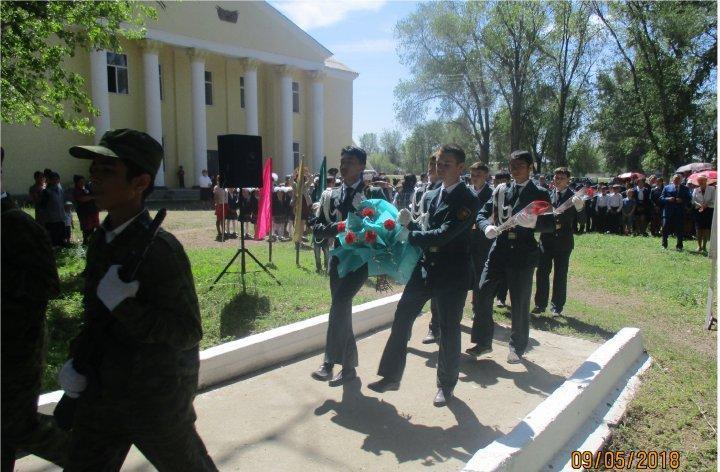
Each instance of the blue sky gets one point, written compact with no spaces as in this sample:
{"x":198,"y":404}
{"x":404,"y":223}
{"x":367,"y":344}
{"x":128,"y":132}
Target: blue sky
{"x":360,"y":34}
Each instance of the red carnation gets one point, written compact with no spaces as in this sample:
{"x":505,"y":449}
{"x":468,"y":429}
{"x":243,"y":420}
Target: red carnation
{"x":341,"y":226}
{"x":370,"y":236}
{"x":350,"y":237}
{"x":368,"y":212}
{"x":389,"y":224}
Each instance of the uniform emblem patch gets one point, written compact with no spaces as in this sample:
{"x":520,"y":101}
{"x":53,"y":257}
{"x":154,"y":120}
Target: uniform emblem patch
{"x":463,"y":214}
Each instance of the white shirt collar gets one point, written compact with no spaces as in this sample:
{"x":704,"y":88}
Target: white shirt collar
{"x":522,"y":185}
{"x":114,"y":233}
{"x":450,"y":188}
{"x":355,"y":185}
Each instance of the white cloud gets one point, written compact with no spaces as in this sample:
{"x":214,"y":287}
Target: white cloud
{"x":308,"y":14}
{"x":364,"y":45}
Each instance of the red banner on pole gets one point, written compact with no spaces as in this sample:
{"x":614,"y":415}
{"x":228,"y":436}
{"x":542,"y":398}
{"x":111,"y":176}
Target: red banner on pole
{"x":264,"y":217}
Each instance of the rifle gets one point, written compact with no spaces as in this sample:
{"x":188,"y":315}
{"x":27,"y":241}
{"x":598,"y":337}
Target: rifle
{"x":64,"y":412}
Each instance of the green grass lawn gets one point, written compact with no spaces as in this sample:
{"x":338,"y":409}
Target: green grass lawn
{"x":620,"y":281}
{"x":614,"y":282}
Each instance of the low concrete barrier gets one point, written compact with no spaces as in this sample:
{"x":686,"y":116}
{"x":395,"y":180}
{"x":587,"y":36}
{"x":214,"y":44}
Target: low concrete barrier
{"x":252,"y":353}
{"x":538,"y":438}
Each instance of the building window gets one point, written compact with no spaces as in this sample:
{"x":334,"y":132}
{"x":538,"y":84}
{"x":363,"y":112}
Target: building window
{"x":117,"y":72}
{"x":296,"y":155}
{"x":296,"y":97}
{"x":208,"y":88}
{"x":160,"y":78}
{"x":242,"y":92}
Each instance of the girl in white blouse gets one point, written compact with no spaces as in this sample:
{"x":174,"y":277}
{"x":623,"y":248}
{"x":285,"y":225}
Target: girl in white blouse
{"x":703,"y":201}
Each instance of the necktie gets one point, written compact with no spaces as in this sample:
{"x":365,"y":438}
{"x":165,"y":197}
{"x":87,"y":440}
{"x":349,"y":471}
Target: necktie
{"x":346,"y":204}
{"x":515,"y":194}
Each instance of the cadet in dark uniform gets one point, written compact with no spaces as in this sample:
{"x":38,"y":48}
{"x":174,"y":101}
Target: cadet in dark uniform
{"x":340,"y":347}
{"x":135,"y":362}
{"x":513,"y":257}
{"x":555,"y":247}
{"x":29,"y":280}
{"x":433,"y":333}
{"x":479,"y":243}
{"x":675,"y":199}
{"x":444,"y":273}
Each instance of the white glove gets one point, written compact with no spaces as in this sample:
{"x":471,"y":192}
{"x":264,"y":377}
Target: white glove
{"x":112,"y":291}
{"x":71,"y":381}
{"x":578,"y":202}
{"x":404,"y":217}
{"x":491,"y":232}
{"x":424,"y":221}
{"x":402,"y":235}
{"x":526,"y":220}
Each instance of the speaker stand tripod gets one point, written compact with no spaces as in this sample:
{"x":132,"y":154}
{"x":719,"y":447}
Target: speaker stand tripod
{"x":241,"y":252}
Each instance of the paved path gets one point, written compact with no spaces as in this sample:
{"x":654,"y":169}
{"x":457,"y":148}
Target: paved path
{"x":282,"y":420}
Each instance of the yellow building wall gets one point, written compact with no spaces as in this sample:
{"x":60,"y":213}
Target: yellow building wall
{"x":216,"y":114}
{"x":200,"y":20}
{"x":128,"y":110}
{"x":338,"y":118}
{"x":182,"y":96}
{"x":29,"y":148}
{"x":168,"y":103}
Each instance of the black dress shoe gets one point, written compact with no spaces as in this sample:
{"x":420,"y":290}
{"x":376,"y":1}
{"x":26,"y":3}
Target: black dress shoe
{"x":478,"y":350}
{"x":441,"y":398}
{"x":383,"y":385}
{"x":555,"y":311}
{"x":537,"y":310}
{"x":324,"y":372}
{"x":344,"y":376}
{"x":430,"y":338}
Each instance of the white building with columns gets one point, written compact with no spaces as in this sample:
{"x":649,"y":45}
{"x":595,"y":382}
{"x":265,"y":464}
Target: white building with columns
{"x":205,"y":69}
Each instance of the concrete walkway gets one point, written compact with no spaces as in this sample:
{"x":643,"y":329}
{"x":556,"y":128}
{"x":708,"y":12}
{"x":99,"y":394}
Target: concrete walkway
{"x":282,"y":420}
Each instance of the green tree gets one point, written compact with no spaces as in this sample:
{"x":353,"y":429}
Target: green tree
{"x":424,"y":139}
{"x":669,"y":52}
{"x":37,"y":37}
{"x":583,"y":156}
{"x":441,"y":44}
{"x":391,"y":146}
{"x":512,"y":41}
{"x":369,"y":142}
{"x":567,"y":48}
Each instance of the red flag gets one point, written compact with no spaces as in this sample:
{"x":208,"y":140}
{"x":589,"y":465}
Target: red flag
{"x":264,"y":218}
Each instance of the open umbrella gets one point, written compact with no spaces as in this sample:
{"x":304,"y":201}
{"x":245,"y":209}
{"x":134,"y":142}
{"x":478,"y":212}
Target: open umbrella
{"x":631,"y":176}
{"x":711,"y":176}
{"x":694,"y":167}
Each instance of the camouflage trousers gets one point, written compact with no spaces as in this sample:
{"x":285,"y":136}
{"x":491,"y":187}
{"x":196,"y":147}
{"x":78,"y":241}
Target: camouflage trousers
{"x":102,"y":438}
{"x":23,"y":356}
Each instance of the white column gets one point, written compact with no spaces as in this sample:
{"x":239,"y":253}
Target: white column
{"x":251,"y":97}
{"x":153,"y":105}
{"x":99,"y":92}
{"x":318,"y":118}
{"x":197,"y":66}
{"x":286,"y":122}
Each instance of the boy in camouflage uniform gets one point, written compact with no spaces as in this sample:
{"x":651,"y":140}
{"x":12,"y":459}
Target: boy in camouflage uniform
{"x":29,"y":280}
{"x":135,"y":363}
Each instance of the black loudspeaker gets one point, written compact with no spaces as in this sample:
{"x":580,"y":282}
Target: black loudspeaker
{"x":240,"y":160}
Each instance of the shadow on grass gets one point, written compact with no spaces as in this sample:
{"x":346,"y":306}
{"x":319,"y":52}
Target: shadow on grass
{"x":553,"y":323}
{"x":239,"y":315}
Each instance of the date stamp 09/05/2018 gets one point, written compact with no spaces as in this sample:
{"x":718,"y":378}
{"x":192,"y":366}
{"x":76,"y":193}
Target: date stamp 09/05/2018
{"x":625,"y":460}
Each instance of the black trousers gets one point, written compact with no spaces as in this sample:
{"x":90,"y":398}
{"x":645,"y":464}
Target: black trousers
{"x":673,"y":224}
{"x":478,"y":254}
{"x":340,"y":347}
{"x":519,"y":282}
{"x":600,"y":219}
{"x":434,"y":320}
{"x":56,"y":232}
{"x":449,"y":303}
{"x":561,"y":261}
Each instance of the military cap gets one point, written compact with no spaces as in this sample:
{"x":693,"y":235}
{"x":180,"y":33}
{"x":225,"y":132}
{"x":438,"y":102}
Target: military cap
{"x":130,"y":144}
{"x":524,"y":155}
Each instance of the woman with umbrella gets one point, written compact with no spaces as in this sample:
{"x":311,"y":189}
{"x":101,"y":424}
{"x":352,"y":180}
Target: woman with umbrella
{"x":703,"y":202}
